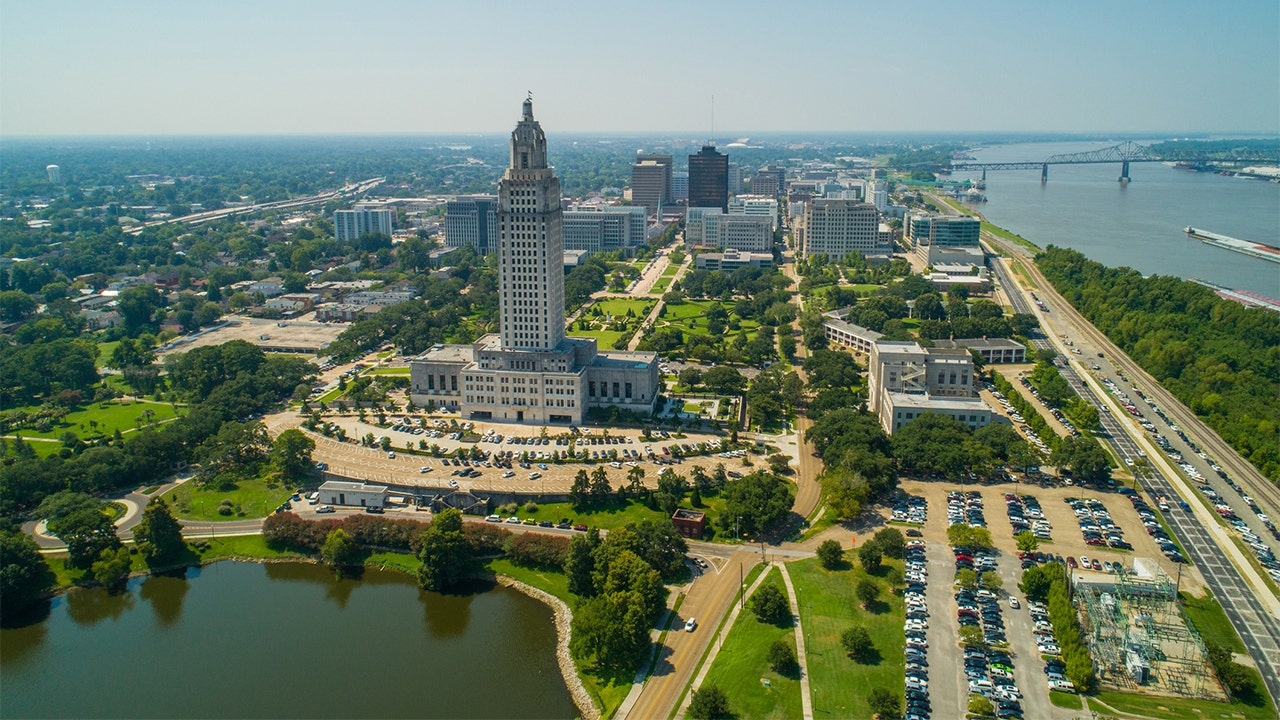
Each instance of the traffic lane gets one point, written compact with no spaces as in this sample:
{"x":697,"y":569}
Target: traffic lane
{"x":1028,"y":667}
{"x":948,"y":686}
{"x":709,"y":598}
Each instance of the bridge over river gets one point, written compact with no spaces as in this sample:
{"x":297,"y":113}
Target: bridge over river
{"x":1123,"y":154}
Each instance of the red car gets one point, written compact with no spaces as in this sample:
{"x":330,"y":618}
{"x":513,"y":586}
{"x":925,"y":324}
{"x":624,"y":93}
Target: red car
{"x":1071,"y":562}
{"x":580,"y":528}
{"x":1097,"y":565}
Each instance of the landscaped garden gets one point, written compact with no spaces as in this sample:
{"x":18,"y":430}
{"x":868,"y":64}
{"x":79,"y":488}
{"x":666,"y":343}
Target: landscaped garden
{"x":612,"y":321}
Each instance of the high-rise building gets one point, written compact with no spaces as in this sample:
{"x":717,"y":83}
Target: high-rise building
{"x":877,"y":193}
{"x":836,"y":227}
{"x":680,"y":186}
{"x":55,"y":174}
{"x":530,"y":371}
{"x":472,"y":220}
{"x":709,"y":227}
{"x":755,"y":205}
{"x":735,"y":178}
{"x":709,"y":179}
{"x":349,"y":225}
{"x":603,"y":229}
{"x":651,"y":181}
{"x":770,"y":181}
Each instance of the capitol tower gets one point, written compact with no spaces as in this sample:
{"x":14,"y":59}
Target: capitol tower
{"x":529,"y":371}
{"x":531,"y":243}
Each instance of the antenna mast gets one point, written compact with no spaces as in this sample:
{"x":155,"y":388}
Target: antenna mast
{"x":712,"y":139}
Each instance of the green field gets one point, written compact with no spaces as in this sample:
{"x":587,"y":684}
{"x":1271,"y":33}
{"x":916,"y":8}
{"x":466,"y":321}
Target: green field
{"x":689,"y":316}
{"x":600,"y":327}
{"x":105,"y":419}
{"x":1166,"y":708}
{"x":1210,"y":621}
{"x":742,"y":671}
{"x":394,"y":371}
{"x":671,"y":271}
{"x":828,"y":607}
{"x":104,"y":352}
{"x":618,"y":307}
{"x":660,"y":286}
{"x":613,"y":514}
{"x":254,"y":498}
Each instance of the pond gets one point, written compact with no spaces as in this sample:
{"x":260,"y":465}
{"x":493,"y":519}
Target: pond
{"x":284,"y":640}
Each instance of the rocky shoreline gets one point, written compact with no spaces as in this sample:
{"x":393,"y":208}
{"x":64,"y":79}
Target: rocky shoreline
{"x":564,"y":619}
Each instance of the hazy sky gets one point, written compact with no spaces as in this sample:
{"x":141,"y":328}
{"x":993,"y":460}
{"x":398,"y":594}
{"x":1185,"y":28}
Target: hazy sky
{"x":376,"y":66}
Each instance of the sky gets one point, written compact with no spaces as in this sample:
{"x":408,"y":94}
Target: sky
{"x":136,"y":67}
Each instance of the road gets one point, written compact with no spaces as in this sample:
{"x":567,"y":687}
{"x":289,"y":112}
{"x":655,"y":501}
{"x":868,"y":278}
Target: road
{"x":709,"y":598}
{"x":1221,"y":563}
{"x":211,"y":215}
{"x":948,"y":686}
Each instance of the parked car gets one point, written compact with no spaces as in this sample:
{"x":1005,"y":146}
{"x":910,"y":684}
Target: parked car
{"x":325,"y":509}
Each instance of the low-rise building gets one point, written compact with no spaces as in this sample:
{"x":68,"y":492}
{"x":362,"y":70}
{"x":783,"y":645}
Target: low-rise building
{"x":690,"y":523}
{"x":731,"y":260}
{"x":844,"y":333}
{"x":906,"y":380}
{"x":358,"y":494}
{"x":993,"y":351}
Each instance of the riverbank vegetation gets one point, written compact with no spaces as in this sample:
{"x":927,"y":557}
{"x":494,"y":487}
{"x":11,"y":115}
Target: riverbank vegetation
{"x":1219,"y":358}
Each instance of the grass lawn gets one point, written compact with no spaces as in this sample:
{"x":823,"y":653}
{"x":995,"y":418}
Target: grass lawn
{"x":104,"y":352}
{"x":864,"y":289}
{"x":1066,"y":700}
{"x":828,"y":607}
{"x":243,"y":546}
{"x":1210,"y":621}
{"x":330,"y":396}
{"x":1021,"y":272}
{"x":660,"y":285}
{"x":551,"y":581}
{"x":253,"y":497}
{"x":614,"y":514}
{"x":671,"y":271}
{"x":618,"y":307}
{"x":604,"y":338}
{"x":690,"y":317}
{"x":394,"y":371}
{"x":1006,"y":235}
{"x":108,"y":416}
{"x":1179,"y":708}
{"x":741,"y":670}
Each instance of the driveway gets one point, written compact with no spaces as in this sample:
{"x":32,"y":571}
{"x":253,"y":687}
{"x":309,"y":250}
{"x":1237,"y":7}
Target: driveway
{"x":947,"y":684}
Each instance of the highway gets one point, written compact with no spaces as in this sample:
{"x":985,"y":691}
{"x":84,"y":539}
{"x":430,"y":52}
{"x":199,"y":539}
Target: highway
{"x":211,"y":215}
{"x":1250,"y":607}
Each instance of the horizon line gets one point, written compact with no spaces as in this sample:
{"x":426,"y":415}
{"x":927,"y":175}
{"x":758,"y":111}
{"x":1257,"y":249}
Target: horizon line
{"x":637,"y":133}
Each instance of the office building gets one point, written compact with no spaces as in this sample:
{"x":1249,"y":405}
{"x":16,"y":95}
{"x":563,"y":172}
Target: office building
{"x":472,"y":220}
{"x":709,"y":227}
{"x":731,"y":260}
{"x":55,"y":174}
{"x":769,"y":181}
{"x":837,"y":227}
{"x":349,"y":225}
{"x":942,"y":230}
{"x":530,"y":371}
{"x":604,"y":229}
{"x":651,"y":182}
{"x":755,"y":205}
{"x":735,"y":178}
{"x":709,"y":179}
{"x":680,"y":186}
{"x":877,"y":193}
{"x":906,"y":380}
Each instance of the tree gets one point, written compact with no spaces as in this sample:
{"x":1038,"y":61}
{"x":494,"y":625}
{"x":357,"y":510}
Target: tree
{"x":891,"y":543}
{"x":579,"y":492}
{"x":868,"y":591}
{"x":88,"y":533}
{"x":158,"y":535}
{"x":782,"y":659}
{"x":845,"y":492}
{"x":724,"y":380}
{"x":16,"y":306}
{"x":770,"y":605}
{"x":578,"y":563}
{"x":971,"y":636}
{"x":1037,"y":579}
{"x":991,"y":580}
{"x":338,"y":551}
{"x":967,"y":578}
{"x":24,"y":574}
{"x":1027,"y":541}
{"x":599,"y":485}
{"x":709,"y":703}
{"x":830,"y":554}
{"x":611,"y":630}
{"x":291,"y":454}
{"x":111,"y":568}
{"x":690,"y":378}
{"x":884,"y":702}
{"x":760,"y":499}
{"x":445,"y":554}
{"x":856,"y":641}
{"x":870,"y":557}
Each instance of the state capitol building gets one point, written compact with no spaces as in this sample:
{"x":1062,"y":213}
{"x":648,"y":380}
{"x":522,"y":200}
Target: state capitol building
{"x":530,"y":372}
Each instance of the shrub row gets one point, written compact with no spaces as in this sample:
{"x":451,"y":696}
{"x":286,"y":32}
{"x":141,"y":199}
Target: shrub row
{"x":287,"y":531}
{"x":1030,"y":414}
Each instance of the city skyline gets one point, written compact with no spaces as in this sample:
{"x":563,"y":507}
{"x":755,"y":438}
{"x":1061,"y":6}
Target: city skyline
{"x":422,"y":68}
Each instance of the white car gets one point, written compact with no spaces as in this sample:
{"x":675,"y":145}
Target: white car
{"x":1013,"y":602}
{"x":690,"y":624}
{"x":424,"y":469}
{"x":535,"y":475}
{"x":509,"y":473}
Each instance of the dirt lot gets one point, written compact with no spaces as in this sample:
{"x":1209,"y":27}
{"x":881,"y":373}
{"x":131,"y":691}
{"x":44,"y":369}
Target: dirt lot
{"x":299,"y":335}
{"x":1067,"y":540}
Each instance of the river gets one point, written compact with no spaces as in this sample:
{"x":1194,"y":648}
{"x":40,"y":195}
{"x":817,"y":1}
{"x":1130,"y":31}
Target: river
{"x":1139,"y":224}
{"x":284,"y":640}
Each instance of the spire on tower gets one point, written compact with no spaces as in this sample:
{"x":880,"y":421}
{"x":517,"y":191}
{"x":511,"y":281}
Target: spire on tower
{"x":528,"y":107}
